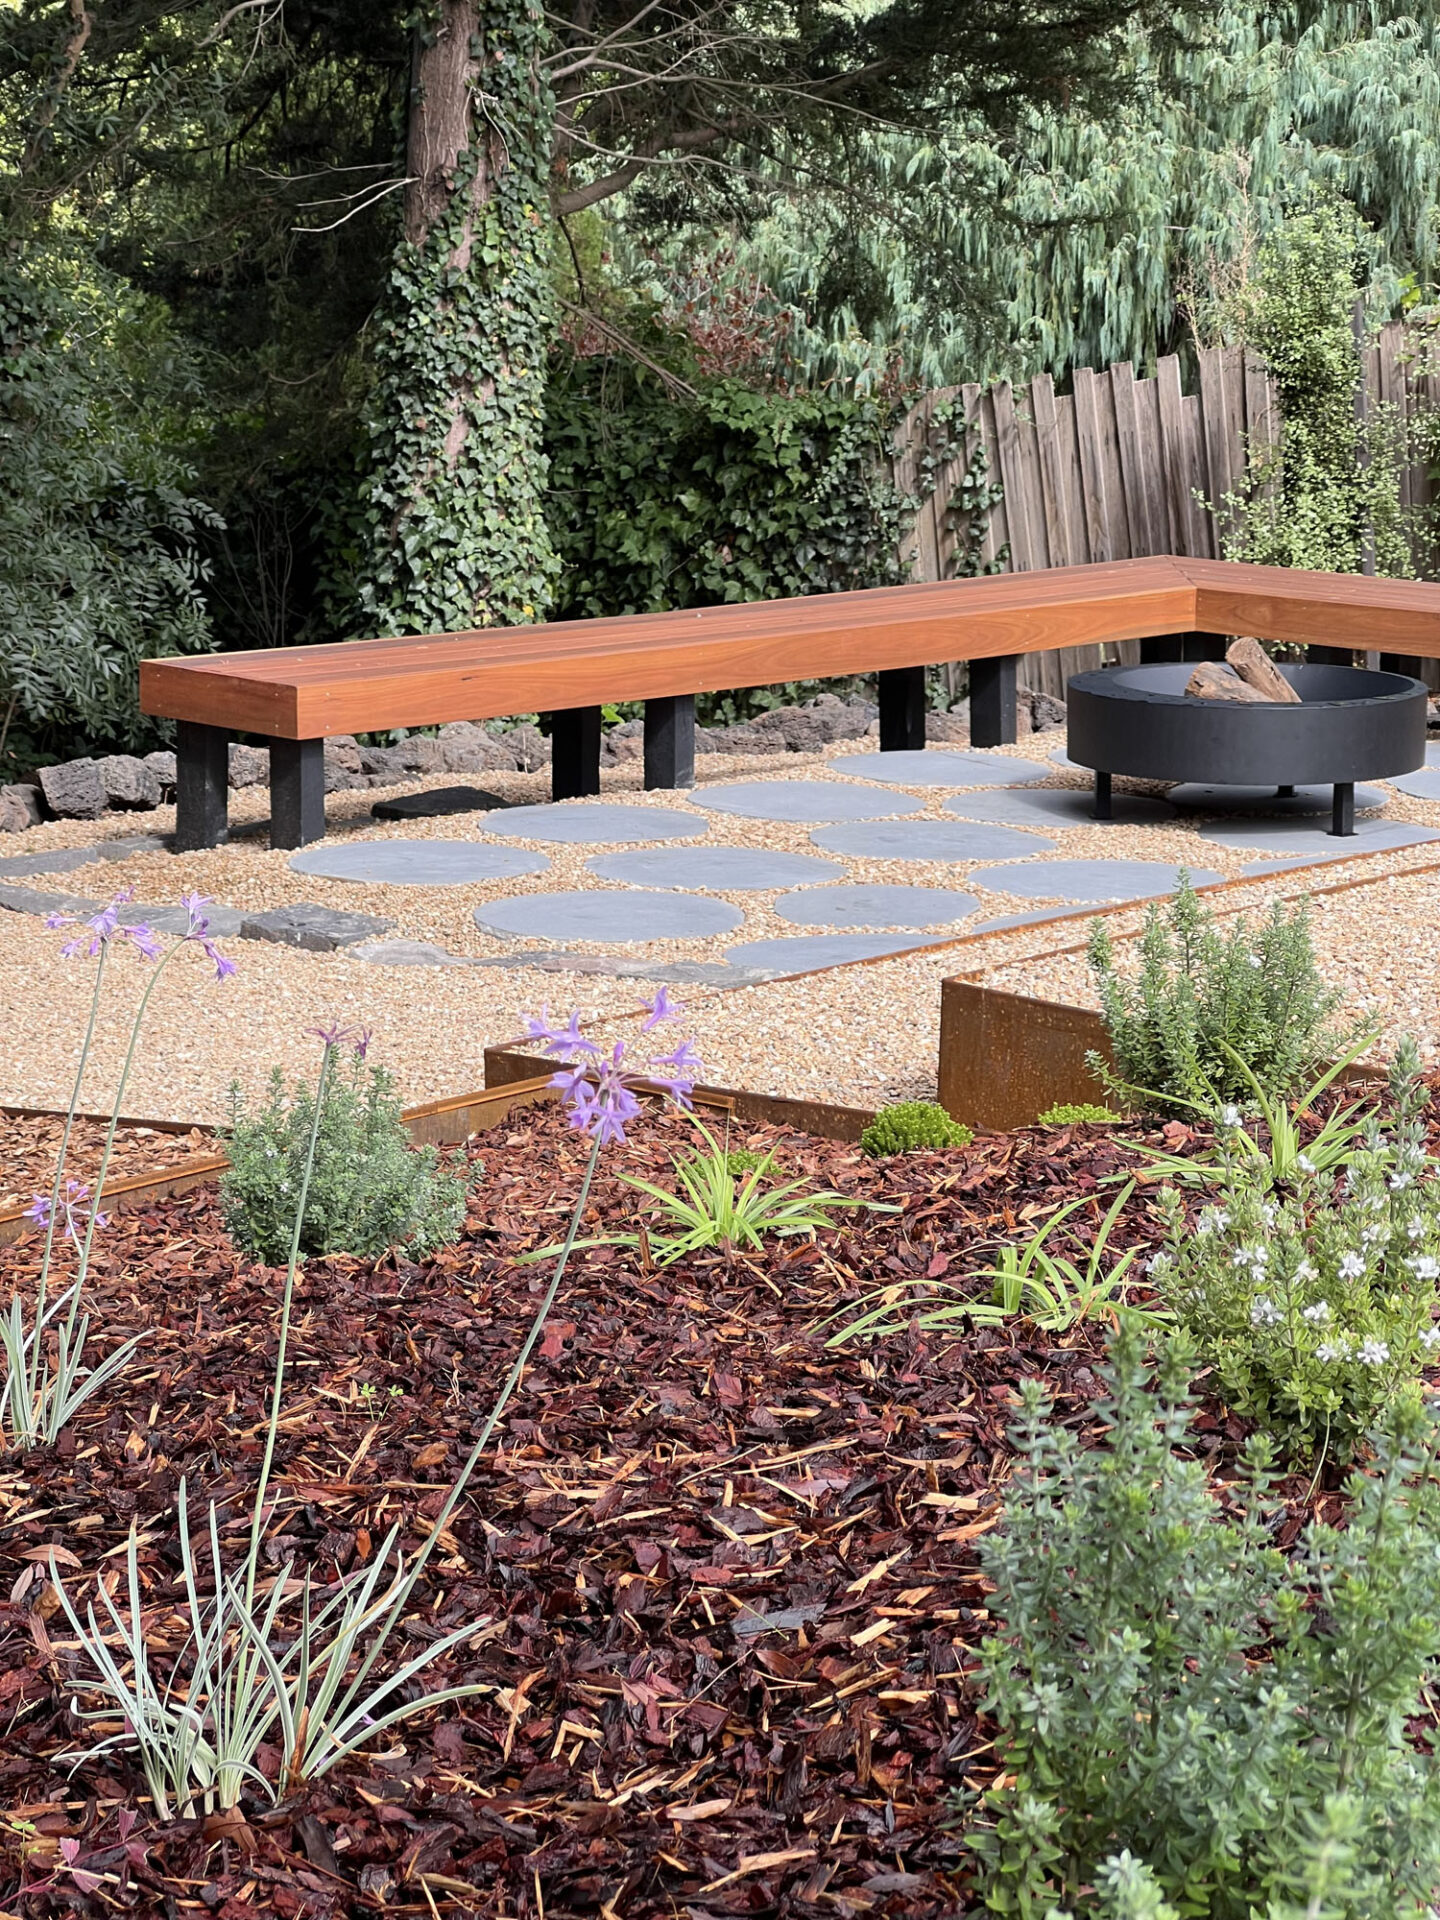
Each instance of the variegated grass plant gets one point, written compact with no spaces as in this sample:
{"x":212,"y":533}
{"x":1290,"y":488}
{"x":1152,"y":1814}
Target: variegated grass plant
{"x":46,"y":1380}
{"x":313,"y":1683}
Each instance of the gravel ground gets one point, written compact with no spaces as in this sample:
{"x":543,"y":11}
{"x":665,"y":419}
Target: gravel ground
{"x":860,"y":1034}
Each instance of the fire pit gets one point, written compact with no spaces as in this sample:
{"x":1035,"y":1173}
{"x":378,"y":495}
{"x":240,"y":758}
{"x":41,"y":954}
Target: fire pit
{"x":1349,"y":725}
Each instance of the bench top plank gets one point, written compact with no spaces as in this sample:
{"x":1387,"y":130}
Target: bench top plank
{"x":423,"y":680}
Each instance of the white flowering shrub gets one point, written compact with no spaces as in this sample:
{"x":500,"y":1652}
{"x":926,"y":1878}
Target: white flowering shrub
{"x":1190,"y":1721}
{"x":1314,"y":1297}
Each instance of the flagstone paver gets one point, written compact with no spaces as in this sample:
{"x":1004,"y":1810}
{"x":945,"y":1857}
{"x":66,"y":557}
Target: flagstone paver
{"x":801,"y":801}
{"x":805,"y":951}
{"x":609,"y":916}
{"x":1057,"y":807}
{"x":934,"y":767}
{"x":875,"y":906}
{"x":602,"y":823}
{"x":937,"y":840}
{"x":418,"y":863}
{"x":1305,"y":836}
{"x":1266,"y":802}
{"x":718,"y":869}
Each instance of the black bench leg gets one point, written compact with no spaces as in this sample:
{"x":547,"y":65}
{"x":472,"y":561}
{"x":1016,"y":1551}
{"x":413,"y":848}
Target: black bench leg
{"x":902,"y":709}
{"x":670,"y":741}
{"x":202,"y":785}
{"x":574,"y":753}
{"x":992,"y":701}
{"x":1104,"y":808}
{"x":1342,"y":818}
{"x":297,"y":792}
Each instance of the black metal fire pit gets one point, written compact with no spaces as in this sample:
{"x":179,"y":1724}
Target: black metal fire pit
{"x":1351,"y":725}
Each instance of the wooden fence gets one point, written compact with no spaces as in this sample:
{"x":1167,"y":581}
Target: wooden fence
{"x":1121,"y":467}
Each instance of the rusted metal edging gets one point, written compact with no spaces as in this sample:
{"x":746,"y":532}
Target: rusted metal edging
{"x":440,"y":1123}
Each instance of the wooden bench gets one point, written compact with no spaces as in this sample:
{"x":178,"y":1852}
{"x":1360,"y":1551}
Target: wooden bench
{"x":293,"y":697}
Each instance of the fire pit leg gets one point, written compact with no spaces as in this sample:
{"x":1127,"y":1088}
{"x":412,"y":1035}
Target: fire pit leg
{"x":1284,"y":793}
{"x":1342,"y":820}
{"x":1103,"y":809}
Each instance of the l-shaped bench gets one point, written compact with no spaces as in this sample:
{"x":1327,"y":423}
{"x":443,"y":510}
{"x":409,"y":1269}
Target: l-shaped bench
{"x":1179,"y":608}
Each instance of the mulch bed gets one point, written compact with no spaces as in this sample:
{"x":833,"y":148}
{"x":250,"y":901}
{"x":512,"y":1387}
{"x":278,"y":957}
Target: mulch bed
{"x":29,"y":1144}
{"x":724,"y":1581}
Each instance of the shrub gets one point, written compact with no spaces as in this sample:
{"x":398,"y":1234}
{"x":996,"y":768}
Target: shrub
{"x":369,"y":1189}
{"x":1315,"y":1299}
{"x":1083,"y":1113}
{"x":1153,"y":1762}
{"x":912,"y":1125}
{"x":1204,"y":1009}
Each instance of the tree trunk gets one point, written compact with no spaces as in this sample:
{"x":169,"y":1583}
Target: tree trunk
{"x":454,"y":497}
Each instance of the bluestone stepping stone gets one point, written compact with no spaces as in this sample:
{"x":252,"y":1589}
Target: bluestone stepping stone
{"x":935,"y":767}
{"x":317,"y":929}
{"x":222,"y":923}
{"x":875,"y":906}
{"x":67,"y":859}
{"x":947,"y":840}
{"x":438,"y":802}
{"x":1089,"y":879}
{"x":1198,"y":798}
{"x":1056,"y":807}
{"x":418,"y":863}
{"x":687,"y":973}
{"x":1423,"y":784}
{"x":721,"y":869}
{"x":802,"y":801}
{"x":568,"y":823}
{"x":1309,"y":837}
{"x":803,"y":952}
{"x":33,"y":900}
{"x":609,"y":916}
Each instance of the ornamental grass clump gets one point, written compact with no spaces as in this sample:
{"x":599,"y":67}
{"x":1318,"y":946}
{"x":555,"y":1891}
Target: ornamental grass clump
{"x":1203,"y":1008}
{"x":45,"y":1379}
{"x":310,"y":1676}
{"x":1314,"y":1295}
{"x":1192,"y":1722}
{"x":369,"y":1190}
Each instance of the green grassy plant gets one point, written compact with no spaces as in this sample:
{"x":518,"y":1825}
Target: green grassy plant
{"x":1081,"y":1113}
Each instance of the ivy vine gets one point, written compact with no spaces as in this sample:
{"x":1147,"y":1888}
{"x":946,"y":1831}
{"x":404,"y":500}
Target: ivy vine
{"x":452,"y":527}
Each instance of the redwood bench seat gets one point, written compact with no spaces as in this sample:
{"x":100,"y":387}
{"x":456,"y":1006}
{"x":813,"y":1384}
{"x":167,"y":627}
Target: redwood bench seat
{"x":293,"y":697}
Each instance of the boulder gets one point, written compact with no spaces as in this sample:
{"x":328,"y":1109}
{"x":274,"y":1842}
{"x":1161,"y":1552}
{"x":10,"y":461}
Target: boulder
{"x":464,"y":747}
{"x":73,"y":790}
{"x":128,"y":782}
{"x":19,"y":807}
{"x":423,"y":754}
{"x":1045,"y":711}
{"x":1258,"y":670}
{"x":317,"y":929}
{"x":949,"y":729}
{"x":162,"y":764}
{"x":529,"y":746}
{"x":389,"y":764}
{"x":1213,"y":681}
{"x":249,"y":766}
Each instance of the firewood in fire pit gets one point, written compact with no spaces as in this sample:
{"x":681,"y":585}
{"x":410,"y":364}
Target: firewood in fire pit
{"x":1253,"y":664}
{"x":1212,"y":680}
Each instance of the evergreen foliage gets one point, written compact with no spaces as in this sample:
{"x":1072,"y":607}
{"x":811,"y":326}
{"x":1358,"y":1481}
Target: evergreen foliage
{"x":1082,"y":1113}
{"x":99,"y":528}
{"x":1328,"y":492}
{"x":912,"y":1126}
{"x":1205,"y":1011}
{"x":369,"y":1189}
{"x":665,"y":498}
{"x":1191,"y":1721}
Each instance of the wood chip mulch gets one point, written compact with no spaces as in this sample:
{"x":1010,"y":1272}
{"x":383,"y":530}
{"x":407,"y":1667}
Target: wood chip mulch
{"x":29,"y":1144}
{"x":723,"y":1580}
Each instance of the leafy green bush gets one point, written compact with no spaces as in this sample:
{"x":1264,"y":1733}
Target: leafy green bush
{"x":1083,"y":1113}
{"x":1153,"y":1764}
{"x":1205,"y":1009}
{"x":912,"y":1124}
{"x":1315,"y":1299}
{"x":370,"y":1190}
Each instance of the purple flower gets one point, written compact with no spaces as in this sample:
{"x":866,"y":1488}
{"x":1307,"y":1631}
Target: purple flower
{"x":337,"y":1036}
{"x":598,"y":1090}
{"x":198,"y":932}
{"x":104,"y":927}
{"x":41,"y":1210}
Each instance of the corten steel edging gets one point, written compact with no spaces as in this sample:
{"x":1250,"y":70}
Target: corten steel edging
{"x":823,"y":1117}
{"x":1006,"y":1057}
{"x":438,"y":1123}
